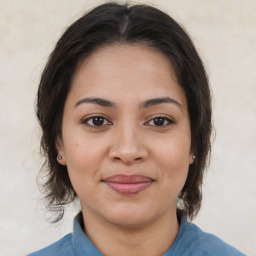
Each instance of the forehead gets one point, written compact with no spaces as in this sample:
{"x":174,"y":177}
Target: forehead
{"x":126,"y":70}
{"x":127,"y":58}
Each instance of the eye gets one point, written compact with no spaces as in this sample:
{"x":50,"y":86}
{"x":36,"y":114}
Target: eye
{"x":160,"y":121}
{"x":96,"y":121}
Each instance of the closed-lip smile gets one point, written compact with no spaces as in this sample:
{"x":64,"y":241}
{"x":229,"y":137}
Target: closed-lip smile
{"x":128,"y":184}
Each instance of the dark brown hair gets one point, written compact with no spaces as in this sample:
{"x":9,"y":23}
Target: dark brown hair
{"x":116,"y":23}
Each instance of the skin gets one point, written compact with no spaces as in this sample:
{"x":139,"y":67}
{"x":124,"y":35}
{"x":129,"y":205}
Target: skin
{"x":128,"y":141}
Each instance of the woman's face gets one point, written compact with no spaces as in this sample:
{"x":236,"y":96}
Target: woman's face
{"x":126,"y":135}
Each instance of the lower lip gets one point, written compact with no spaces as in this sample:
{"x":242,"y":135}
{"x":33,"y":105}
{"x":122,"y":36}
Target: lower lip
{"x":129,"y":188}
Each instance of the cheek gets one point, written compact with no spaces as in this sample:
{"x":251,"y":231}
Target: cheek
{"x":83,"y":157}
{"x":82,"y":148}
{"x":173,"y":159}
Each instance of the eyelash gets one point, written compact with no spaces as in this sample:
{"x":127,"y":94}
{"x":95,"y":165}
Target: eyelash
{"x":167,"y":121}
{"x":90,"y":118}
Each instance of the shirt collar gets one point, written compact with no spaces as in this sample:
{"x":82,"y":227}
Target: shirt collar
{"x":81,"y":243}
{"x":83,"y":246}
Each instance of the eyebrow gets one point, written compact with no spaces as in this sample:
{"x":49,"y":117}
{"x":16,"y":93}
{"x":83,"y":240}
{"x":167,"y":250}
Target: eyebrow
{"x":156,"y":101}
{"x":148,"y":103}
{"x":97,"y":101}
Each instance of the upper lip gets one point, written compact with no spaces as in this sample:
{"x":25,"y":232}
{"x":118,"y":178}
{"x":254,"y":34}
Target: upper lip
{"x":128,"y":179}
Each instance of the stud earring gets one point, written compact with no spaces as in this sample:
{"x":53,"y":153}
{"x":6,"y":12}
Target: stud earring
{"x":194,"y":157}
{"x":59,"y":157}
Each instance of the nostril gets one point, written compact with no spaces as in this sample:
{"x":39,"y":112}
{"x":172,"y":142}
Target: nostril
{"x":128,"y":155}
{"x":137,"y":159}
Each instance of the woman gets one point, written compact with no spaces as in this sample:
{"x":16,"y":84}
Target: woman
{"x":125,"y":108}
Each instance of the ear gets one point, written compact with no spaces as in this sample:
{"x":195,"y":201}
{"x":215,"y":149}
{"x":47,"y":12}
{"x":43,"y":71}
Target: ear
{"x":60,"y":152}
{"x":191,"y":158}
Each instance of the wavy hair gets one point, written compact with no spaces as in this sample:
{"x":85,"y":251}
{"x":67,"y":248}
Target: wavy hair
{"x":112,"y":23}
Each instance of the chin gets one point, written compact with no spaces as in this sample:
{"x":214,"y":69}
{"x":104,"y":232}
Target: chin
{"x":130,"y":218}
{"x":130,"y":222}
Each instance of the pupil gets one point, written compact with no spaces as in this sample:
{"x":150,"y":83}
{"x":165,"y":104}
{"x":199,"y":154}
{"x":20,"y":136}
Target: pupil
{"x":98,"y":121}
{"x":159,"y":121}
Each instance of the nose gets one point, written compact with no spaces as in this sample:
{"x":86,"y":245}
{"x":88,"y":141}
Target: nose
{"x":128,"y":146}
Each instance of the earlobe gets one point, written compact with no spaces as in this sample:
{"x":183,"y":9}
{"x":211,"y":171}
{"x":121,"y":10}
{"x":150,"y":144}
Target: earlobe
{"x":192,"y":158}
{"x":60,"y":151}
{"x":61,"y":159}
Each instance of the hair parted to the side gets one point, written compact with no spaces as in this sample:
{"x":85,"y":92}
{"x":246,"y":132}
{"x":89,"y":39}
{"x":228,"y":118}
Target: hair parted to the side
{"x":113,"y":23}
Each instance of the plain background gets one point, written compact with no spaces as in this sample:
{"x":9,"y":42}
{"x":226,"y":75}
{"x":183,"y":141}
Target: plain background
{"x":225,"y":36}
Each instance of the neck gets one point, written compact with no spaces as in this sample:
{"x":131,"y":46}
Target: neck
{"x":150,"y":239}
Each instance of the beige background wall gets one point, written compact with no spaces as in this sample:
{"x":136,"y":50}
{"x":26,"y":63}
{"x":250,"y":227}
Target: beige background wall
{"x":225,"y":35}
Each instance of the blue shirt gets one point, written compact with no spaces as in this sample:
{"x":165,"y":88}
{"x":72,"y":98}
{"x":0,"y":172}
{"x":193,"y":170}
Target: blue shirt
{"x":191,"y":241}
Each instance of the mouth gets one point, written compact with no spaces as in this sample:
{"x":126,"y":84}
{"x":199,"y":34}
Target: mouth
{"x":128,"y":184}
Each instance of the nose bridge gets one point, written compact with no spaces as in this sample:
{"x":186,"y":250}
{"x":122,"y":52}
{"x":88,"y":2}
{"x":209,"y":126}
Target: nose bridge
{"x":127,"y":145}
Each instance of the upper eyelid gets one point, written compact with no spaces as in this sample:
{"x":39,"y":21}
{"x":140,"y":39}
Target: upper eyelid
{"x":87,"y":118}
{"x":161,"y":115}
{"x":94,"y":115}
{"x":167,"y":118}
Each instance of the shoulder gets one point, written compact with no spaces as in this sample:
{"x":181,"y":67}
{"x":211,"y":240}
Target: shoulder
{"x":62,"y":247}
{"x":193,"y":241}
{"x":210,"y":243}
